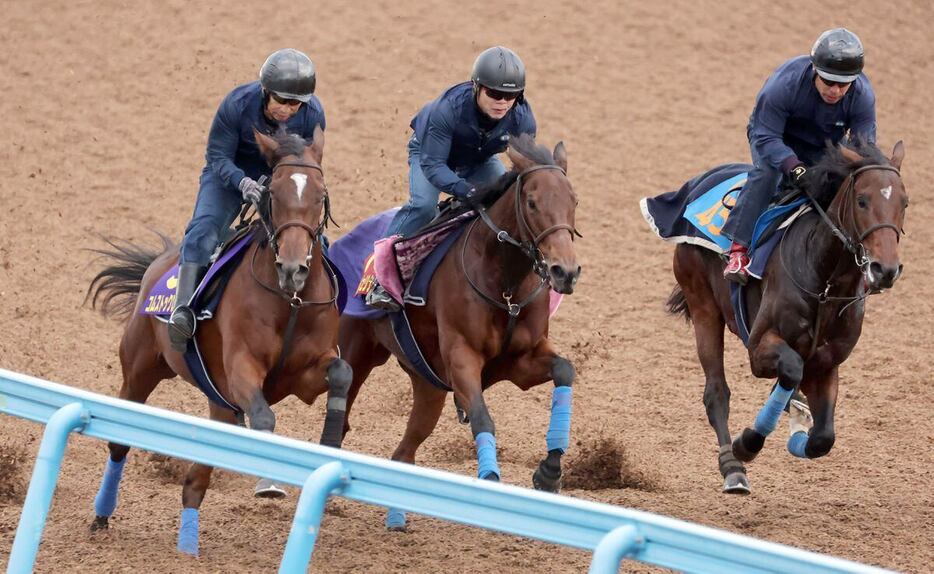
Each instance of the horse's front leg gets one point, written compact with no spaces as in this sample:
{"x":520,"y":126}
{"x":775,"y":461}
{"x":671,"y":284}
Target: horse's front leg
{"x":245,"y":376}
{"x":821,"y":392}
{"x":771,"y":357}
{"x":464,"y":367}
{"x":196,"y":485}
{"x":541,"y":365}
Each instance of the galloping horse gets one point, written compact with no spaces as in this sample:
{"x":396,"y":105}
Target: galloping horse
{"x":808,"y":309}
{"x":487,"y":311}
{"x":275,"y":329}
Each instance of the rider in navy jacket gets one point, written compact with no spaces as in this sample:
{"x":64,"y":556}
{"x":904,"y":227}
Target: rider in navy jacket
{"x":283,"y":96}
{"x":805,"y":103}
{"x":455,"y":136}
{"x":455,"y":141}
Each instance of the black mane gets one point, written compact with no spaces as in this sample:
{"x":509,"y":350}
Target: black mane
{"x":824,"y":179}
{"x":526,"y":147}
{"x":289,"y":144}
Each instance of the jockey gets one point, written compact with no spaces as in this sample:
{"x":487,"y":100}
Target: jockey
{"x":283,"y":96}
{"x":804,"y":104}
{"x":456,"y":138}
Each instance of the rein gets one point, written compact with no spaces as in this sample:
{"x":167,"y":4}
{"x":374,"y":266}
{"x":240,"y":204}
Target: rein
{"x":855,"y":248}
{"x":529,"y":248}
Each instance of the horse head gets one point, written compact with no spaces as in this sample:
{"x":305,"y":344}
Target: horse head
{"x":297,"y":202}
{"x":871,"y":211}
{"x":545,"y":204}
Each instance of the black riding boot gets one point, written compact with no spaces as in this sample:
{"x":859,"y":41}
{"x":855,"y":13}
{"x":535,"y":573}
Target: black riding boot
{"x":182,"y":321}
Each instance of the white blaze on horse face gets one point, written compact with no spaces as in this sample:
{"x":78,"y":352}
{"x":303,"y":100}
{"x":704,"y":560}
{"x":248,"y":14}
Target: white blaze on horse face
{"x":886,"y":192}
{"x":300,"y":180}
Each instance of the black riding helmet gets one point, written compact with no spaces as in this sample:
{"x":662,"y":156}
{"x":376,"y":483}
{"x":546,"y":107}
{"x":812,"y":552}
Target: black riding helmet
{"x":500,"y":69}
{"x":289,"y":74}
{"x":837,"y":55}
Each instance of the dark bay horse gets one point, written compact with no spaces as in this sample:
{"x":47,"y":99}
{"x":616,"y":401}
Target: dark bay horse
{"x":282,"y":279}
{"x":808,"y":309}
{"x":486,"y":317}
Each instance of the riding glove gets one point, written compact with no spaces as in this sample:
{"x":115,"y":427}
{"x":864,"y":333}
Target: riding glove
{"x":251,"y":190}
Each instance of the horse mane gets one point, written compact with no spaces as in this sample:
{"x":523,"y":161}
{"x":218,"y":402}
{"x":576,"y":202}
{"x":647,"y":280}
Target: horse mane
{"x":825,"y":178}
{"x":289,"y":144}
{"x":526,"y":146}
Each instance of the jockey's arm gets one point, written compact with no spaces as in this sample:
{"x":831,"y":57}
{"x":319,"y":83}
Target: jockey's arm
{"x":223,"y":140}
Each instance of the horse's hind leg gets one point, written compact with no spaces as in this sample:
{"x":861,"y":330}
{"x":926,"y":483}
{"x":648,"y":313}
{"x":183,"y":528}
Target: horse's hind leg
{"x":143,"y":368}
{"x":363,"y":353}
{"x":708,"y":333}
{"x":427,"y":404}
{"x":196,"y":485}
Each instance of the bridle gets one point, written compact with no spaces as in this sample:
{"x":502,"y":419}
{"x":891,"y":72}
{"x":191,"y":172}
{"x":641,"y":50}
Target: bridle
{"x":296,"y":303}
{"x":528,"y":243}
{"x":265,"y":216}
{"x":856,"y":248}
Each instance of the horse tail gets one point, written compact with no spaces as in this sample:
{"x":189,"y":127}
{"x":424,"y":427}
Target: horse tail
{"x":117,"y":285}
{"x":677,"y":304}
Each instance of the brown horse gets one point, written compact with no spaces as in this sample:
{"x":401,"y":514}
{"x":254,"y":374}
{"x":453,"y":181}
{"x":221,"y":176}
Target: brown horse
{"x":486,"y":317}
{"x":281,"y":287}
{"x":808,"y":308}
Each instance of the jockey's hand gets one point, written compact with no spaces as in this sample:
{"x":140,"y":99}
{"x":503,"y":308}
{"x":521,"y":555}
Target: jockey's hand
{"x":474,"y":198}
{"x":251,"y":190}
{"x":796,"y":173}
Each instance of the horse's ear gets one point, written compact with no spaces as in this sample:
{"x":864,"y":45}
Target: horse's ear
{"x":849,"y":154}
{"x":317,"y":144}
{"x":898,"y":154}
{"x":267,"y":145}
{"x":561,"y":156}
{"x":519,"y":161}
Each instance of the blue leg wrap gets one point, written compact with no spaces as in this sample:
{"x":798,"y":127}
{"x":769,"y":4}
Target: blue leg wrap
{"x":188,"y":532}
{"x":106,"y":500}
{"x":772,"y":410}
{"x":395,"y":518}
{"x":559,"y":430}
{"x":486,"y":455}
{"x":796,"y":444}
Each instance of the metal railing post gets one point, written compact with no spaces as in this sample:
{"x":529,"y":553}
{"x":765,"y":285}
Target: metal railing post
{"x":42,"y":486}
{"x":612,"y":548}
{"x":308,"y":513}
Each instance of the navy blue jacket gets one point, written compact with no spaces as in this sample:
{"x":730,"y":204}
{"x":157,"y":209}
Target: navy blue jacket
{"x":232,"y":152}
{"x":450,"y":138}
{"x":791,"y":122}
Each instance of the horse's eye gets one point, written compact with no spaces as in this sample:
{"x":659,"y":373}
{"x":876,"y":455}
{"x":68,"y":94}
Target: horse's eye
{"x":531,"y":204}
{"x":861,"y":202}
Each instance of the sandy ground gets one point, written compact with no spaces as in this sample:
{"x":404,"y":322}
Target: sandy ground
{"x":106,"y":107}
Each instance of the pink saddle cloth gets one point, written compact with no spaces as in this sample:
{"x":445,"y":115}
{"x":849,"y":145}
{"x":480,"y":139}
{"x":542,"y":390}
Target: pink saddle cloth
{"x":396,"y":259}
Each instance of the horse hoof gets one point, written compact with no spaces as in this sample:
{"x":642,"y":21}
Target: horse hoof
{"x":546,"y":483}
{"x":395,"y":520}
{"x":266,"y":488}
{"x":751,"y":438}
{"x":736,"y":483}
{"x":100,"y":523}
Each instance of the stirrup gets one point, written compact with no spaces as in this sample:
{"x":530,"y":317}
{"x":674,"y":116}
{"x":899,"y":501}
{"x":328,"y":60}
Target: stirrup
{"x":379,"y":298}
{"x":181,"y":326}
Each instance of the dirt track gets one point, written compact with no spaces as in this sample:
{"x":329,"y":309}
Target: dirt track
{"x":106,"y":107}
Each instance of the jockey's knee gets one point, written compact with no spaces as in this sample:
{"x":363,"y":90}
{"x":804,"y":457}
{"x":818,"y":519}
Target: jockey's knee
{"x":819,"y":443}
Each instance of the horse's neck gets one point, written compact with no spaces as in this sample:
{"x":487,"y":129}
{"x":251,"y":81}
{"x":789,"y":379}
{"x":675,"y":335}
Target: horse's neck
{"x":510,"y":265}
{"x":828,"y":259}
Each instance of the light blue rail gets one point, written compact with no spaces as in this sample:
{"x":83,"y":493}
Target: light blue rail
{"x":611,"y":533}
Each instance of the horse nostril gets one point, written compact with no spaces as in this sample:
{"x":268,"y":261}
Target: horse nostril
{"x":557,"y":272}
{"x":876,"y":271}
